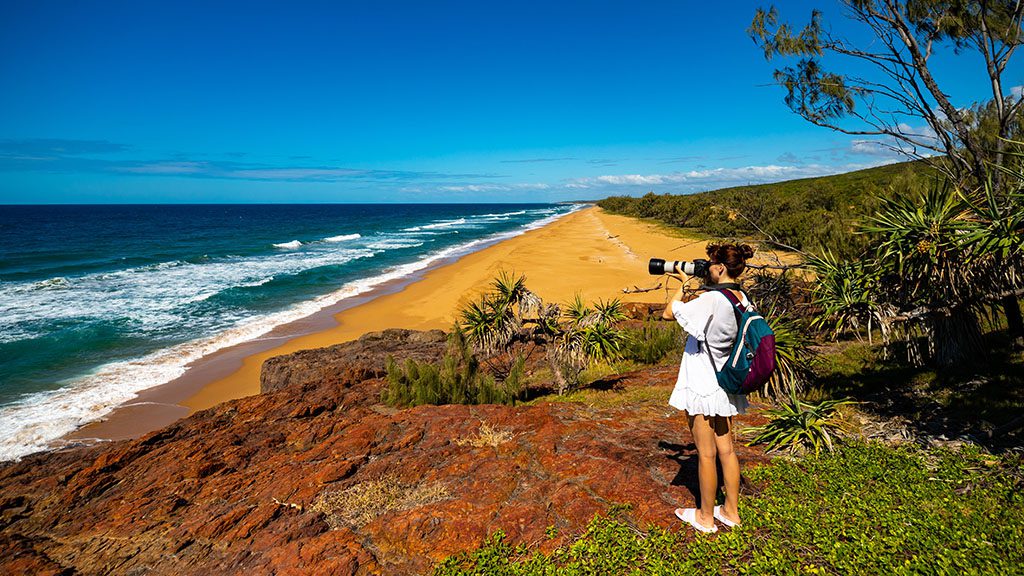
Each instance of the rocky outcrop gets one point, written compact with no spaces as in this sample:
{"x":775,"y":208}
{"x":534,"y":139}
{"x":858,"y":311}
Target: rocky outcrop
{"x":352,"y":361}
{"x":315,"y":477}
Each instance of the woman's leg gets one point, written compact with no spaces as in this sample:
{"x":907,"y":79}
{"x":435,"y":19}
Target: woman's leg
{"x":707,"y":474}
{"x":730,"y":467}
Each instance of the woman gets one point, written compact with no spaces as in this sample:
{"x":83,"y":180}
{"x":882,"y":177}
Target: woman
{"x":710,"y":322}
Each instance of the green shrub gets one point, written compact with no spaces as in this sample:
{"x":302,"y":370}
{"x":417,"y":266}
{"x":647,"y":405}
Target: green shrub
{"x":457,"y":380}
{"x":797,"y":425}
{"x":652,"y":342}
{"x":793,"y":355}
{"x":812,"y":214}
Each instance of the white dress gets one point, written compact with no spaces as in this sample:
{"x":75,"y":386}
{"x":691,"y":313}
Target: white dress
{"x":709,"y":317}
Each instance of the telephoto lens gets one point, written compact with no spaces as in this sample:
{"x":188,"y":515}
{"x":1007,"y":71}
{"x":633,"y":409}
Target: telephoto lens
{"x":657,"y":267}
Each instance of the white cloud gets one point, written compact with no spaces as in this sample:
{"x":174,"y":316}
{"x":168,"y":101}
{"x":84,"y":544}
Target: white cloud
{"x":166,"y":168}
{"x":712,"y":178}
{"x":294,"y":173}
{"x":633,"y":179}
{"x":870,"y":147}
{"x":494,"y":187}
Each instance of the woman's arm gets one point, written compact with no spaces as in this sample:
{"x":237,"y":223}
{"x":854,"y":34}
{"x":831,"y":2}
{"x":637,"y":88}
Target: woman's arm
{"x":668,"y":314}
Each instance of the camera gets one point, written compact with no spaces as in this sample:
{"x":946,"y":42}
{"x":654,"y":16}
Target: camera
{"x":698,"y":267}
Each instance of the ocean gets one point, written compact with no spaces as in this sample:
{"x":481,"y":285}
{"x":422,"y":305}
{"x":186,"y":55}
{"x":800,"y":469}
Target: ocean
{"x":100,"y":302}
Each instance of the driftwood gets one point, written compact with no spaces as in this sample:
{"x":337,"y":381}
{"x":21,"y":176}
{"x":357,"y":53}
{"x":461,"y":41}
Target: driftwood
{"x":778,"y":266}
{"x":638,"y":290}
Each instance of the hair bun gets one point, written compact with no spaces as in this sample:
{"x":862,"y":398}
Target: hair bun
{"x":747,"y":251}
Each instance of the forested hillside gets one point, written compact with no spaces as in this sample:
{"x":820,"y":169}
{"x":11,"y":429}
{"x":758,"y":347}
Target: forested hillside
{"x":811,"y":214}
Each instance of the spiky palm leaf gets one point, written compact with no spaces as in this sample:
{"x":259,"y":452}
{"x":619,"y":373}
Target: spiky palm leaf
{"x":577,"y":311}
{"x":477,"y":321}
{"x":926,"y":240}
{"x":997,"y":228}
{"x":602,"y":342}
{"x":925,"y":237}
{"x":610,"y":312}
{"x":510,"y":290}
{"x":793,"y":356}
{"x":846,"y":292}
{"x":797,"y":425}
{"x":490,"y":325}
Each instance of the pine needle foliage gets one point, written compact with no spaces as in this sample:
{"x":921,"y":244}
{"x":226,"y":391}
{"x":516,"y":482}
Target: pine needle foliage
{"x":652,"y":342}
{"x":458,"y":379}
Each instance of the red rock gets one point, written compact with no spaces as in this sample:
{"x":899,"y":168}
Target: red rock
{"x":230,"y":489}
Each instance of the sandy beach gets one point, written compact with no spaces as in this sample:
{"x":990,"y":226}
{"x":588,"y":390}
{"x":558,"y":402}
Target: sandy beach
{"x":591,"y":252}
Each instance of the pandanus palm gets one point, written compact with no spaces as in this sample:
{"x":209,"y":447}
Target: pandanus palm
{"x":496,"y":319}
{"x":997,"y":218}
{"x":494,"y":322}
{"x":845,"y":292}
{"x":926,"y":248}
{"x":930,"y":268}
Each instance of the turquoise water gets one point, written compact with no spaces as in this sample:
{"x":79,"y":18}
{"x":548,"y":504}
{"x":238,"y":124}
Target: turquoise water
{"x":99,"y":302}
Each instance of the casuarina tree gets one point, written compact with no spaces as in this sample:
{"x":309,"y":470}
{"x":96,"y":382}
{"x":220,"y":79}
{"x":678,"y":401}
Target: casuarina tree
{"x":879,"y":82}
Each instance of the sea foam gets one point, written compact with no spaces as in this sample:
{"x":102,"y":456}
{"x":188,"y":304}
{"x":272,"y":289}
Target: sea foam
{"x":36,"y":421}
{"x":342,"y":238}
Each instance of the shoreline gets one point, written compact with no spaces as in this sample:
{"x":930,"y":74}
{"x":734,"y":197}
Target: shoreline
{"x":164,"y":404}
{"x":611,"y":249}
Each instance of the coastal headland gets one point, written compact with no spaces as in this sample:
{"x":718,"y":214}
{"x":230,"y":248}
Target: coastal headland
{"x":305,"y":471}
{"x":590,"y":252}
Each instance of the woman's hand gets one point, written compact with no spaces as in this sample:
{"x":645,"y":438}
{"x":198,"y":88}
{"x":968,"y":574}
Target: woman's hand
{"x":681,"y":276}
{"x":667,"y":314}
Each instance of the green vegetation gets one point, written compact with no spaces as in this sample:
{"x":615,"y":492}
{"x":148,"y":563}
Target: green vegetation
{"x":458,"y":379}
{"x":866,"y":509}
{"x":981,"y":401}
{"x":937,"y":262}
{"x":812,"y":214}
{"x":926,"y":256}
{"x":510,"y":314}
{"x":800,"y":426}
{"x":652,"y":342}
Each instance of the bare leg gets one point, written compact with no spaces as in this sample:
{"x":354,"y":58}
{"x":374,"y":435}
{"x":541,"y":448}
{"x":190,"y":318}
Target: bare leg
{"x":730,"y":467}
{"x":707,"y":474}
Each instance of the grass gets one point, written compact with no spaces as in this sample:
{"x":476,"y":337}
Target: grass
{"x":868,"y":508}
{"x":487,"y":436}
{"x":653,"y":342}
{"x":361,"y":503}
{"x":633,"y":396}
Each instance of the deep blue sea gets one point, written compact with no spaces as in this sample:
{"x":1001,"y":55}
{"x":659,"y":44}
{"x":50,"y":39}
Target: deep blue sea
{"x":100,"y":302}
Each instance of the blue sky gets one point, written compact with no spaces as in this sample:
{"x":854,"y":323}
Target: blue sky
{"x":403,"y":101}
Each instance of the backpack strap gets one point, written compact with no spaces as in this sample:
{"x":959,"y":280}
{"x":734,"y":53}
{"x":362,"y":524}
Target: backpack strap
{"x":732,"y":299}
{"x":738,"y":309}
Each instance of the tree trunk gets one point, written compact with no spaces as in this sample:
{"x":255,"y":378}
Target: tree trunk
{"x":1014,"y":322}
{"x":956,"y":339}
